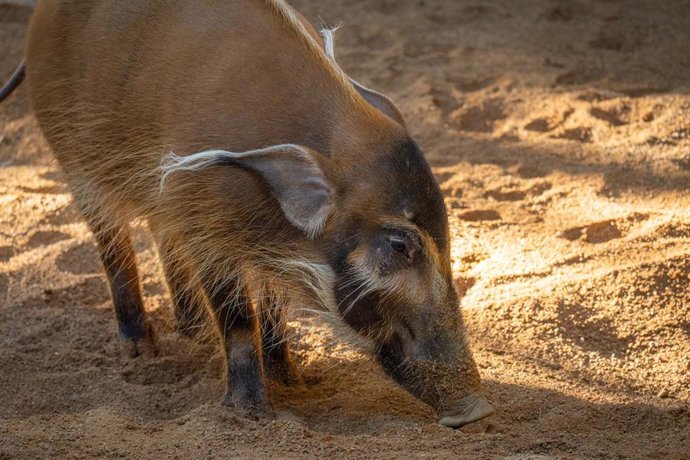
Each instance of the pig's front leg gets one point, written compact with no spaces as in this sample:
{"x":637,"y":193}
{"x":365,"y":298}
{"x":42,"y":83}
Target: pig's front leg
{"x":239,"y":329}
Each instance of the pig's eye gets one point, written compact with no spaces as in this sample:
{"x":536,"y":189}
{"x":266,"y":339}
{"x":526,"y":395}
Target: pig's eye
{"x":405,"y":244}
{"x":398,"y":245}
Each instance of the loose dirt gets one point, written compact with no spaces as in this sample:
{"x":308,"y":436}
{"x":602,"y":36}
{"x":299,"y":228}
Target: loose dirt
{"x":560,"y":135}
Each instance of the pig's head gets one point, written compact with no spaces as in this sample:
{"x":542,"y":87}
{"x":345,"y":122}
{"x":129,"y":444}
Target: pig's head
{"x":388,"y":244}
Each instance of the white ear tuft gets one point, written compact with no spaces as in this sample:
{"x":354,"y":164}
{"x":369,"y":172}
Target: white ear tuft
{"x":329,"y":41}
{"x":376,"y":99}
{"x":195,"y":162}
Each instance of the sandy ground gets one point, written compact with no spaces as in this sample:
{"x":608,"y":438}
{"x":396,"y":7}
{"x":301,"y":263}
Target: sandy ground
{"x":560,"y":135}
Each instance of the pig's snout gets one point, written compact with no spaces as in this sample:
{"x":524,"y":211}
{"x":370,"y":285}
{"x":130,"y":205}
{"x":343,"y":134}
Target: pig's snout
{"x":469,"y":409}
{"x":440,"y":370}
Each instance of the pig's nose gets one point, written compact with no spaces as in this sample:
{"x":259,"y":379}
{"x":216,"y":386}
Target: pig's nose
{"x":471,"y":408}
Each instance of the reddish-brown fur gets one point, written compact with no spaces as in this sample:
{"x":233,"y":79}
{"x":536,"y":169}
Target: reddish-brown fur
{"x":118,"y":85}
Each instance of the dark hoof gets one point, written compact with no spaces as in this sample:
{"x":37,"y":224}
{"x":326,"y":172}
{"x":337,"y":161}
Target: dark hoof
{"x":248,"y":409}
{"x":145,"y":347}
{"x":139,"y":340}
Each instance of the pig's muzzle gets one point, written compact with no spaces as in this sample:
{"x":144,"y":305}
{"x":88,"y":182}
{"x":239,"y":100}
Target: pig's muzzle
{"x":469,"y":409}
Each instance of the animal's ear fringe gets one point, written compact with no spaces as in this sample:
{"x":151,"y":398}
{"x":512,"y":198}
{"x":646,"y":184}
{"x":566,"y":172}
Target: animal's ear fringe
{"x":329,"y":41}
{"x":199,"y":161}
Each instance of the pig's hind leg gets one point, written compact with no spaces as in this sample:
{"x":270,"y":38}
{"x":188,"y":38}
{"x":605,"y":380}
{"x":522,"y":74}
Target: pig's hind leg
{"x":117,"y":255}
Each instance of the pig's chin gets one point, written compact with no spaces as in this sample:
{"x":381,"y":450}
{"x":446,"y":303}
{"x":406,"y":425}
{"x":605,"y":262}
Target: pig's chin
{"x":453,"y":389}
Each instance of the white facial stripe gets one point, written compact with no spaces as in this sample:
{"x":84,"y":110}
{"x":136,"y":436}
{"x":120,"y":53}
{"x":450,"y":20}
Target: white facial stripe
{"x":405,"y":285}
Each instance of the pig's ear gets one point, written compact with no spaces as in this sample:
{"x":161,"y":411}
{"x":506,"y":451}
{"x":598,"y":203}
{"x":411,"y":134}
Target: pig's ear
{"x":381,"y":102}
{"x":292,"y":172}
{"x":376,"y":99}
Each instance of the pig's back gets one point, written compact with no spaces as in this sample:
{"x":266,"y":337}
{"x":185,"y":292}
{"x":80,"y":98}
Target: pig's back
{"x":118,"y":84}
